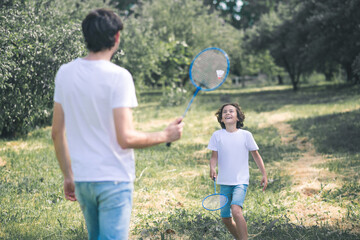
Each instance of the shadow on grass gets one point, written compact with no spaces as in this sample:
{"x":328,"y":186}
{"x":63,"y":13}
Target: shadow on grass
{"x":277,"y":230}
{"x":334,"y":133}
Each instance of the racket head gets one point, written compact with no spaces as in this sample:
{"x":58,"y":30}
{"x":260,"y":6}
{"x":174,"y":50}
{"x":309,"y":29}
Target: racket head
{"x":209,"y":69}
{"x":214,"y":202}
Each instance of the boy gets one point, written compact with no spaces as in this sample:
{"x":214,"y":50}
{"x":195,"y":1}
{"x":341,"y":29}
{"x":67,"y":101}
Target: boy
{"x":230,"y":150}
{"x":93,"y":100}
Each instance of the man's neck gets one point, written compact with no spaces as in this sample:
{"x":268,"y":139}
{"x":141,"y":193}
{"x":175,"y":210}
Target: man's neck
{"x":102,"y":55}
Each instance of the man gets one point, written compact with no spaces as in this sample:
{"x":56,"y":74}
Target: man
{"x":93,"y":100}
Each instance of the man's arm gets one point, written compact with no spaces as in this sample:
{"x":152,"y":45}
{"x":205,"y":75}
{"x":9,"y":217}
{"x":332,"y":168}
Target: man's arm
{"x":128,"y":137}
{"x":213,"y":163}
{"x":62,"y":151}
{"x":261,"y":166}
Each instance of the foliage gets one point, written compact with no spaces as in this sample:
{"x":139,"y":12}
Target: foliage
{"x":161,"y":38}
{"x":126,"y":7}
{"x":283,"y":35}
{"x":243,"y":14}
{"x":36,"y":39}
{"x":313,"y":31}
{"x":333,"y":32}
{"x":163,"y":51}
{"x":262,"y":62}
{"x":356,"y":67}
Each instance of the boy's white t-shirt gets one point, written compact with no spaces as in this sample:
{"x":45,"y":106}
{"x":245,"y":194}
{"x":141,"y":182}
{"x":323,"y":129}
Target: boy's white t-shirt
{"x":88,"y":91}
{"x":233,"y":155}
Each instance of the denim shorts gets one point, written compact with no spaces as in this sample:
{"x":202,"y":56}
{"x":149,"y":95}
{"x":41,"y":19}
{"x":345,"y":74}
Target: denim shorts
{"x":236,"y":196}
{"x":106,"y":207}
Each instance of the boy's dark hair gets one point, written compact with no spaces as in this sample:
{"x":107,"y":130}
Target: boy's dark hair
{"x":99,"y":29}
{"x":240,"y":115}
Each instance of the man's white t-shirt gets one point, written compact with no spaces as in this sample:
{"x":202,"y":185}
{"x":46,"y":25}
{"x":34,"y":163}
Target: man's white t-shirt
{"x":233,"y":155}
{"x":88,"y":91}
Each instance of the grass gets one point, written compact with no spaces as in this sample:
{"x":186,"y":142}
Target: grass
{"x":171,"y":182}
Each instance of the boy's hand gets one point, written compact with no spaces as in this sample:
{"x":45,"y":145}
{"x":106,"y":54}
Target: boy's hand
{"x":264,"y":182}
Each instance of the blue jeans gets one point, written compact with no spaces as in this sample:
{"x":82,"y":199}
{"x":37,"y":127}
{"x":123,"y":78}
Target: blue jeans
{"x":106,"y":207}
{"x":236,"y":196}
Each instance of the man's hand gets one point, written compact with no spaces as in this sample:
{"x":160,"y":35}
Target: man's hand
{"x":174,"y":130}
{"x":212,"y":173}
{"x":69,"y":189}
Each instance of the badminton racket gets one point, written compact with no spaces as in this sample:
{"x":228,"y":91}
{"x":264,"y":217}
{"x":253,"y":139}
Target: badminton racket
{"x":208,"y":71}
{"x":214,"y":201}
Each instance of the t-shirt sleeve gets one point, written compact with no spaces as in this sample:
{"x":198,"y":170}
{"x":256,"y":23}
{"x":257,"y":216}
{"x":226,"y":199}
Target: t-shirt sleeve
{"x":57,"y":91}
{"x":124,"y":92}
{"x":250,"y":142}
{"x":213,"y":143}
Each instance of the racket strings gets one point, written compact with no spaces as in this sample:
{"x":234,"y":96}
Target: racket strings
{"x":209,"y":68}
{"x":215,"y":201}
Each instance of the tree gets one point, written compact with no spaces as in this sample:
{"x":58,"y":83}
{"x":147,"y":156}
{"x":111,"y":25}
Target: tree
{"x":356,"y":67}
{"x":243,"y":14}
{"x":36,"y":38}
{"x":334,"y":33}
{"x":284,"y":36}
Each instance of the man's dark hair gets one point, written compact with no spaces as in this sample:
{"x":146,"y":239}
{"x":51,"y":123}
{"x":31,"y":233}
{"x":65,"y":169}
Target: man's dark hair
{"x":99,"y":29}
{"x":240,"y":115}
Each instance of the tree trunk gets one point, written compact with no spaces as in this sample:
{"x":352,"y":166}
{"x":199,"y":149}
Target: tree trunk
{"x":349,"y":72}
{"x":294,"y":81}
{"x":328,"y":76}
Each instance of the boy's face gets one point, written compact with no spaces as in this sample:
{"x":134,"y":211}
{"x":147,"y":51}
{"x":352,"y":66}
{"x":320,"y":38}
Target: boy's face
{"x":229,"y":115}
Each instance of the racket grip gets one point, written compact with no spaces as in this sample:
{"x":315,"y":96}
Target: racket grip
{"x":168,"y":144}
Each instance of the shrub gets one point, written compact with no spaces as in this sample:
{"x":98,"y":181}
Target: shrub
{"x":36,"y":39}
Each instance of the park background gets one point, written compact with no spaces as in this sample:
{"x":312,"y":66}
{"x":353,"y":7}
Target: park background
{"x":295,"y":70}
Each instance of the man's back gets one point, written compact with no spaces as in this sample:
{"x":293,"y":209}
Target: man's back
{"x":88,"y":91}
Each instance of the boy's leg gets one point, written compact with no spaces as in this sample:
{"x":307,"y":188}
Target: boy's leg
{"x":226,"y":212}
{"x":238,"y":198}
{"x":240,"y":223}
{"x":231,"y":226}
{"x":115,"y":204}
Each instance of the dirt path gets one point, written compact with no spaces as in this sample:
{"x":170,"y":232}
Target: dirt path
{"x":308,"y":180}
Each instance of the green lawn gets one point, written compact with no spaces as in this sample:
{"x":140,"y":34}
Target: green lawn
{"x":171,"y":182}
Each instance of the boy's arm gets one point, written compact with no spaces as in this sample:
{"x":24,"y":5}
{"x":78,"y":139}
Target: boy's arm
{"x":62,"y":151}
{"x":128,"y":137}
{"x":261,"y":166}
{"x":213,"y":163}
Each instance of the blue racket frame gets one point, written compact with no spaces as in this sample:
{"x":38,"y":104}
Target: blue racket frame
{"x":198,"y":88}
{"x":213,"y":195}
